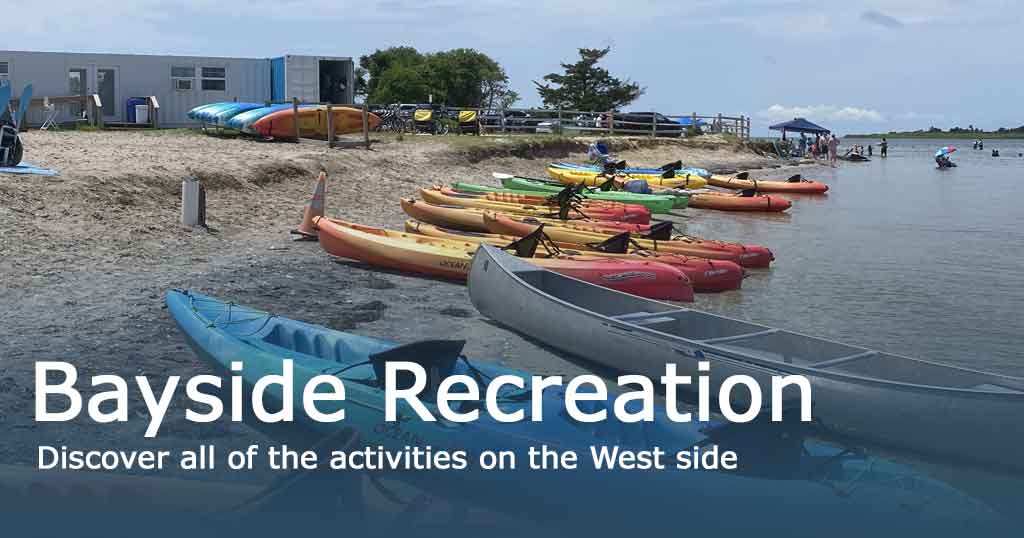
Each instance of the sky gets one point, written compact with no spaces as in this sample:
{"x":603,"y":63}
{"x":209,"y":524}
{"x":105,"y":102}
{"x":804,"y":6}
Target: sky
{"x":850,"y":66}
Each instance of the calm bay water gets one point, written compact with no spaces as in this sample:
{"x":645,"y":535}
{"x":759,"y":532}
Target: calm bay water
{"x":900,"y":256}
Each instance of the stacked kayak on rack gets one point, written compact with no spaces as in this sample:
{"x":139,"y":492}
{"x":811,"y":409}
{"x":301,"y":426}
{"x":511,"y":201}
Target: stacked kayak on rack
{"x":278,"y":121}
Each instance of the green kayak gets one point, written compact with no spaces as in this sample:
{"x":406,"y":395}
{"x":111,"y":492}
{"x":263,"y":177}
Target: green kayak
{"x":657,"y":203}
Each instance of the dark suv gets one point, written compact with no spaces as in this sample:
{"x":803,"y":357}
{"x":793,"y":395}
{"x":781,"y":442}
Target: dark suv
{"x":641,"y":121}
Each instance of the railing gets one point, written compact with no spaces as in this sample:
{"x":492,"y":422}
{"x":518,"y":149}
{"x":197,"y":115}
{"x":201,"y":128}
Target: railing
{"x":569,"y":122}
{"x":92,"y":105}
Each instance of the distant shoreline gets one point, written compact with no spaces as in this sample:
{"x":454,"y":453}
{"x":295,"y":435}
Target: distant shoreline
{"x":957,"y":136}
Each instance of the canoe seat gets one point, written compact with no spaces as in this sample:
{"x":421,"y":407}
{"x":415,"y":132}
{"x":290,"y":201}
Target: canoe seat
{"x":844,"y":360}
{"x":739,"y":336}
{"x":649,"y":318}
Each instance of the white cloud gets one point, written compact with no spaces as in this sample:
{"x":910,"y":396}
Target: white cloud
{"x":822,"y":113}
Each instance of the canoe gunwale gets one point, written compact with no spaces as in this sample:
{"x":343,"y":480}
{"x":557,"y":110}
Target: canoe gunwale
{"x":692,"y":346}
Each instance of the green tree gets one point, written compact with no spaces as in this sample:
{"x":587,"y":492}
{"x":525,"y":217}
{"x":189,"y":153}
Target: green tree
{"x":403,"y":60}
{"x":400,"y":84}
{"x":457,"y":77}
{"x":585,"y":86}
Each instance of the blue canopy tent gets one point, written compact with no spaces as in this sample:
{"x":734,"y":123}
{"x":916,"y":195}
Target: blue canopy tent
{"x":798,"y":125}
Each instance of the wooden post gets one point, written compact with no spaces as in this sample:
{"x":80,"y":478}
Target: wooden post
{"x":693,"y":121}
{"x":193,"y":203}
{"x":503,"y":129}
{"x":654,"y":124}
{"x":748,"y":129}
{"x":330,"y":125}
{"x":295,"y":118}
{"x":611,"y":122}
{"x":366,"y":125}
{"x":561,"y":130}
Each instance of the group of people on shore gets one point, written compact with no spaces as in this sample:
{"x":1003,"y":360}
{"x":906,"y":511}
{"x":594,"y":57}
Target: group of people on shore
{"x":825,"y":146}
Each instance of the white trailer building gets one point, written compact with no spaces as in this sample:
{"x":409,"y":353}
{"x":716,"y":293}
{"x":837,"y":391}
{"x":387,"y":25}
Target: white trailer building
{"x":179,"y":83}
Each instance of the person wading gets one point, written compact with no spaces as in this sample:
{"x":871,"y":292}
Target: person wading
{"x":833,"y":147}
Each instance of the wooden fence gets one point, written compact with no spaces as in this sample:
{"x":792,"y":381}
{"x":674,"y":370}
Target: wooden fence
{"x":577,"y":122}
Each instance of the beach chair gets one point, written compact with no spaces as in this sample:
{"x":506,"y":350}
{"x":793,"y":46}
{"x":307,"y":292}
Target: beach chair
{"x":50,"y":110}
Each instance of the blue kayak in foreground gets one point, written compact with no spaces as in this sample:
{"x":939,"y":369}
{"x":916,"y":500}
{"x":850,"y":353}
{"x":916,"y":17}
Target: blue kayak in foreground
{"x":782,"y":482}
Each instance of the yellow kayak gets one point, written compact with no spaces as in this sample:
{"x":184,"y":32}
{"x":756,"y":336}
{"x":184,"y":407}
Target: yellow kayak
{"x":595,"y":179}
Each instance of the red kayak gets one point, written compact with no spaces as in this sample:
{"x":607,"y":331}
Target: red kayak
{"x":705,"y":275}
{"x":450,"y":258}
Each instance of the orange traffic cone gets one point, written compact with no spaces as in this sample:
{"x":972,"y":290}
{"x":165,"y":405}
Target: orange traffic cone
{"x":315,"y":208}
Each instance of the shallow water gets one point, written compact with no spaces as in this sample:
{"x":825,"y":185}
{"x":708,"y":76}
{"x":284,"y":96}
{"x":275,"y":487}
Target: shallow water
{"x":900,"y":256}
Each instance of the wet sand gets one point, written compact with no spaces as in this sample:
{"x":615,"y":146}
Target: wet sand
{"x":86,"y":256}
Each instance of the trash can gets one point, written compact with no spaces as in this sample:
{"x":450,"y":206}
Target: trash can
{"x":130,"y":116}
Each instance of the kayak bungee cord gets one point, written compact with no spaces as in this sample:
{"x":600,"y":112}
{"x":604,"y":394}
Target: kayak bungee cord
{"x":266,"y":316}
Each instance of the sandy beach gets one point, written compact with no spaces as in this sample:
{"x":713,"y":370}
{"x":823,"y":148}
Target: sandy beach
{"x":86,"y":256}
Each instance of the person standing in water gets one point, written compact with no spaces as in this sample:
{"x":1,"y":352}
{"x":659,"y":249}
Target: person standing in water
{"x":833,"y":148}
{"x":884,"y":145}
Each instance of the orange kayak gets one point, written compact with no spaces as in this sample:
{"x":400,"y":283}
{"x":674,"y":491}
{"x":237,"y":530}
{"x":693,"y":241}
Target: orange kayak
{"x":795,"y":184}
{"x":472,"y":220}
{"x":705,"y":275}
{"x":452,"y":259}
{"x":745,"y":255}
{"x":313,"y":122}
{"x":437,"y":195}
{"x":735,"y":202}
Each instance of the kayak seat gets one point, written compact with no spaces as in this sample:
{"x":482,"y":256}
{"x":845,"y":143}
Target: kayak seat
{"x":437,"y":357}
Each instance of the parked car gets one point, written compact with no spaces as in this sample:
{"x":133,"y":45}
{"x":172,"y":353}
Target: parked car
{"x":515,"y":120}
{"x":642,"y":121}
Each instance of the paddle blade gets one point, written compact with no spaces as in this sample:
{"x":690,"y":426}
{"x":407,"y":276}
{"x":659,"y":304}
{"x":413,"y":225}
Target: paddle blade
{"x":796,"y":178}
{"x":743,"y":175}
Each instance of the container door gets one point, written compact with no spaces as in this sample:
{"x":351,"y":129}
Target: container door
{"x":107,"y":88}
{"x":78,"y":84}
{"x":277,"y":91}
{"x":302,"y":75}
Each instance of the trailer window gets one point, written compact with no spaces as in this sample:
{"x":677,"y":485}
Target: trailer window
{"x":5,"y":69}
{"x":214,"y":79}
{"x":182,"y":77}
